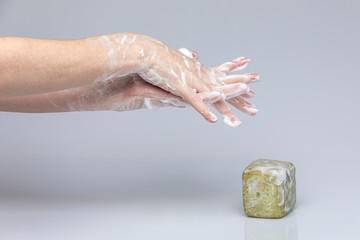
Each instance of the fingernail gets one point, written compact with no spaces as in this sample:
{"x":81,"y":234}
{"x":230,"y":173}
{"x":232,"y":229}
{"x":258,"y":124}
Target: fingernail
{"x":213,"y":117}
{"x":195,"y":55}
{"x":242,"y":63}
{"x":241,"y":59}
{"x":251,"y":110}
{"x":253,"y":77}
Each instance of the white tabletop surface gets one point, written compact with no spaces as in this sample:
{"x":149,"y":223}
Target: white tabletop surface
{"x":329,"y":214}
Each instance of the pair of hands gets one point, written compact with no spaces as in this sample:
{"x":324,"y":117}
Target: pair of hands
{"x":167,"y":77}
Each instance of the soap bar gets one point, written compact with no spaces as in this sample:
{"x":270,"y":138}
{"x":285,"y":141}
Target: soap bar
{"x":269,"y":188}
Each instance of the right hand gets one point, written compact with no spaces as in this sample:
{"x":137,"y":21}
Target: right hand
{"x":184,"y":76}
{"x":172,"y":71}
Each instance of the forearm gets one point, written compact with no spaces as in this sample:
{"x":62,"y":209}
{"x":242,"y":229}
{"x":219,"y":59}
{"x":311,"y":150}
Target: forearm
{"x":33,"y":66}
{"x":59,"y":101}
{"x":95,"y":96}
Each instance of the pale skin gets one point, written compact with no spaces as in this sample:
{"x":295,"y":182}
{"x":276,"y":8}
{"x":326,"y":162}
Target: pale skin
{"x":63,"y":75}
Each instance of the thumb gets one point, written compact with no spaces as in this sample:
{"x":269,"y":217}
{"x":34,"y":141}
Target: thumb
{"x":188,"y":53}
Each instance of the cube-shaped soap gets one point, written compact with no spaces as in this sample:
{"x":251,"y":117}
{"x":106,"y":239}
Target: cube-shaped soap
{"x":269,"y":188}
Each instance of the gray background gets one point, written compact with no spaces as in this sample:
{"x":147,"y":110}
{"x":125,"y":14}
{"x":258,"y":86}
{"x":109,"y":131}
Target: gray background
{"x":182,"y":172}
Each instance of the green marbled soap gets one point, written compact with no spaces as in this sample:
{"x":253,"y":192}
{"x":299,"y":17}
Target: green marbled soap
{"x":269,"y":188}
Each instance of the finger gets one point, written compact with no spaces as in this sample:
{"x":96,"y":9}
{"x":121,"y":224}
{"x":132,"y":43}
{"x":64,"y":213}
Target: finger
{"x":233,"y":90}
{"x":175,"y":101}
{"x":195,"y":101}
{"x":189,"y":93}
{"x":243,"y":78}
{"x":199,"y":85}
{"x":211,"y":97}
{"x":155,"y":97}
{"x":229,"y":116}
{"x":249,"y":94}
{"x":202,"y":73}
{"x":206,"y":74}
{"x":146,"y":90}
{"x":233,"y":66}
{"x":229,"y":90}
{"x":153,"y":103}
{"x":243,"y":105}
{"x":162,"y":100}
{"x":204,"y":86}
{"x":206,"y":93}
{"x":157,"y":94}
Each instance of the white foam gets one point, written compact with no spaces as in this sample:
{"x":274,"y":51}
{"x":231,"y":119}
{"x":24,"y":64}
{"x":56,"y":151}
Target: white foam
{"x":228,"y":122}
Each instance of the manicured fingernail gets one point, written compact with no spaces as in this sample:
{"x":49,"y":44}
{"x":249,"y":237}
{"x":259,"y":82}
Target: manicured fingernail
{"x":232,"y":122}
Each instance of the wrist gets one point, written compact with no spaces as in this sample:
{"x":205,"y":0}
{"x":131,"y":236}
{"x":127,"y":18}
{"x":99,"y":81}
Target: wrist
{"x":123,"y":52}
{"x":135,"y":50}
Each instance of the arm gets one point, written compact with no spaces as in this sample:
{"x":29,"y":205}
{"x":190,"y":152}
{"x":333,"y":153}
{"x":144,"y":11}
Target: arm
{"x":126,"y":93}
{"x":120,"y":94}
{"x":39,"y":103}
{"x":32,"y":66}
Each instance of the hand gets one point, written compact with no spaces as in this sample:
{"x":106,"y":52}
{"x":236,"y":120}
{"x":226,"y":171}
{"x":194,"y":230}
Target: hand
{"x":185,"y":76}
{"x":222,"y":71}
{"x":126,"y":93}
{"x":129,"y":92}
{"x":119,"y":94}
{"x":173,"y":72}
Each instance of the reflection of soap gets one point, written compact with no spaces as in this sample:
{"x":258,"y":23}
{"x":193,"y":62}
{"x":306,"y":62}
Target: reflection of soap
{"x":269,"y":229}
{"x":269,"y":189}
